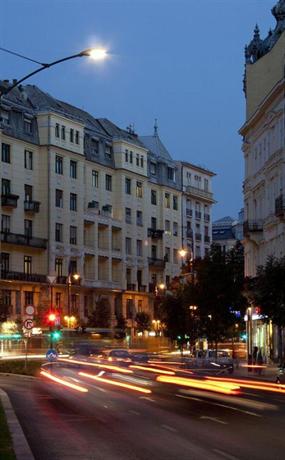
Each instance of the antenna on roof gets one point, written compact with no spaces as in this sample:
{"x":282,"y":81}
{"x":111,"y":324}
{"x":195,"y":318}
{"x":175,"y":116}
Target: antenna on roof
{"x":155,"y":128}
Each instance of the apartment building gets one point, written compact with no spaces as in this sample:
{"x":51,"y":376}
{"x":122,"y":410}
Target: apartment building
{"x":81,"y":196}
{"x":264,"y":157}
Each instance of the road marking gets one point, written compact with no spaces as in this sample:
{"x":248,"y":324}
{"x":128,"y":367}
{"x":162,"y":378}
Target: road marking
{"x":190,"y":397}
{"x":74,"y":379}
{"x":106,"y":407}
{"x":224,"y":454}
{"x":221,"y":405}
{"x":134,"y":412}
{"x":213,"y":419}
{"x":169,"y":428}
{"x":147,"y":398}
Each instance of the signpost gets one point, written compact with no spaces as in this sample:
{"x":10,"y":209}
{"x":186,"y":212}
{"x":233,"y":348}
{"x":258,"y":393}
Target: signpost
{"x":28,"y":326}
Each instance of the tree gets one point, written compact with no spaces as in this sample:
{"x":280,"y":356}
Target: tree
{"x":267,"y":290}
{"x":143,"y":321}
{"x":101,"y":315}
{"x":216,"y":291}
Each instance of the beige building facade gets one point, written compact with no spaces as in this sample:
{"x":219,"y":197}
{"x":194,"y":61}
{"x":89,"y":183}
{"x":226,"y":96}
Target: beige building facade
{"x":80,"y":196}
{"x":264,"y":157}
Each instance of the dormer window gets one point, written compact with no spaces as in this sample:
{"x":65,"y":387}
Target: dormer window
{"x":28,"y":126}
{"x":171,"y":174}
{"x":5,"y":118}
{"x":94,"y":145}
{"x":108,"y":151}
{"x":153,"y":168}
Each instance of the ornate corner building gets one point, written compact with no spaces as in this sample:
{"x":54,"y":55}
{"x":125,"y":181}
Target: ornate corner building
{"x":81,"y":196}
{"x":264,"y":157}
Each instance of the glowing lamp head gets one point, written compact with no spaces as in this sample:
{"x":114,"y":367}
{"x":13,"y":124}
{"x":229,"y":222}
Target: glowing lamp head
{"x":51,"y":317}
{"x":97,"y":54}
{"x":182,"y":252}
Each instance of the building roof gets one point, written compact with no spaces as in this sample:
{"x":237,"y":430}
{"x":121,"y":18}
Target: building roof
{"x":198,"y":168}
{"x":154,"y":144}
{"x":224,"y":221}
{"x":223,"y":234}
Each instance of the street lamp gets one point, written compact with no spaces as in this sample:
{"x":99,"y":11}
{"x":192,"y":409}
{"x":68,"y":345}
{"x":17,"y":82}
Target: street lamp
{"x":97,"y":54}
{"x":70,"y":320}
{"x":76,"y":277}
{"x":156,"y":325}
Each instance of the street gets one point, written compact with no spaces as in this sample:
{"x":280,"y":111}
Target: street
{"x":113,"y":423}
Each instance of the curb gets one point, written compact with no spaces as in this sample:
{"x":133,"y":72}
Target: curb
{"x":23,"y":376}
{"x":20,"y":444}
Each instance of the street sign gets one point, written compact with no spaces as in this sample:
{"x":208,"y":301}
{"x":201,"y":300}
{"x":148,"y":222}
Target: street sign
{"x":30,"y":310}
{"x":51,"y":355}
{"x":28,"y":324}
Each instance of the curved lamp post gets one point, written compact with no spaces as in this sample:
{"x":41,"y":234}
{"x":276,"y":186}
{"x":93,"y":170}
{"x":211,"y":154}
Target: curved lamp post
{"x":97,"y":54}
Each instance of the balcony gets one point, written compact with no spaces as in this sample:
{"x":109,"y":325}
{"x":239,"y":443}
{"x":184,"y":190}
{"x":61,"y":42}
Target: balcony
{"x":189,"y":212}
{"x":198,"y":215}
{"x":19,"y":276}
{"x":142,"y":288}
{"x":155,"y":233}
{"x":198,"y":236}
{"x":197,"y":192}
{"x":156,"y":263}
{"x":9,"y":200}
{"x":32,"y":206}
{"x":252,"y":226}
{"x":207,"y":239}
{"x":131,"y":287}
{"x":280,"y":206}
{"x":23,"y":240}
{"x":207,"y":217}
{"x":189,"y":234}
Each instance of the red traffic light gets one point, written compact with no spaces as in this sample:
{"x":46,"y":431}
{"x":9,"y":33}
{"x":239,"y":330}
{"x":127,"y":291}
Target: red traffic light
{"x":51,"y":317}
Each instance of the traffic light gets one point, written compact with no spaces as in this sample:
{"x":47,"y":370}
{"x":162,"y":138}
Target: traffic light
{"x":52,"y":318}
{"x":56,"y":335}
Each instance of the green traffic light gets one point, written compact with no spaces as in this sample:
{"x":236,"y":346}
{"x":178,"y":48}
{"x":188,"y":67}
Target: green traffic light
{"x":56,"y":335}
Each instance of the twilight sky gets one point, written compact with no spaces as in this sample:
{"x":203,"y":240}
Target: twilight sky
{"x":180,"y":61}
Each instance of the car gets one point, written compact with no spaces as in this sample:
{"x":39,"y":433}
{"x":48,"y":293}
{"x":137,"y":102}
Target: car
{"x":117,"y":355}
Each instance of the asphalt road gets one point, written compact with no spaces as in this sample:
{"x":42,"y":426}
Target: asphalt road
{"x":110,"y":423}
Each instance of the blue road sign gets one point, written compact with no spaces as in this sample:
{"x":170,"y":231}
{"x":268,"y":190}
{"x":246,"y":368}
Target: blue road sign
{"x":51,"y":354}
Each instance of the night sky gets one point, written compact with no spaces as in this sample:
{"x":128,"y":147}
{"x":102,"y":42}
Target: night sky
{"x":180,"y":61}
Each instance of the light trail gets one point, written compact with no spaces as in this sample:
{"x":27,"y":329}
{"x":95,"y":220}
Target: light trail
{"x":253,"y":384}
{"x":115,"y":383}
{"x":99,"y":366}
{"x":217,"y":387}
{"x":64,"y":382}
{"x":156,"y":371}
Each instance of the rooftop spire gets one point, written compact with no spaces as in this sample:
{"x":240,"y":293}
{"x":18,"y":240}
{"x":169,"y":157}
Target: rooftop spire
{"x":155,"y":128}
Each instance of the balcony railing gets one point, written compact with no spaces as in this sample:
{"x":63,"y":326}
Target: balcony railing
{"x":32,"y":206}
{"x":207,"y":217}
{"x":157,"y":263}
{"x":142,"y":288}
{"x":198,"y":236}
{"x":189,"y":212}
{"x":198,"y":214}
{"x":23,"y":240}
{"x":280,"y":206}
{"x":9,"y":200}
{"x":252,"y":226}
{"x":155,"y":233}
{"x":19,"y":276}
{"x":199,"y":192}
{"x":207,"y":239}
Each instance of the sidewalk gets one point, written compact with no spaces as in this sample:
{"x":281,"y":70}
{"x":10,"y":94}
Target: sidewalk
{"x":268,"y":373}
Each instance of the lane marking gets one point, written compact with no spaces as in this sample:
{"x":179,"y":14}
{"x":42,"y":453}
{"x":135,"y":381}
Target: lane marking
{"x":213,"y":419}
{"x":169,"y":428}
{"x":147,"y":398}
{"x":190,"y":397}
{"x":224,"y":454}
{"x":134,"y":412}
{"x":221,"y":405}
